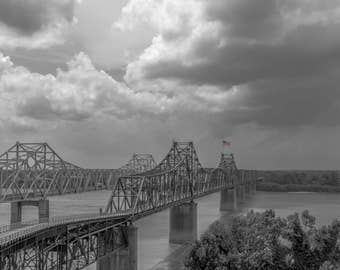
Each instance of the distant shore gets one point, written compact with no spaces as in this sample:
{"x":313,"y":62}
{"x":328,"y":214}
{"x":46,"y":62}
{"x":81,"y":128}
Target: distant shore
{"x":274,"y":187}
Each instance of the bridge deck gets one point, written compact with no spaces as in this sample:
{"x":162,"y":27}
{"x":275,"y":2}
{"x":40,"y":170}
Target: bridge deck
{"x":9,"y":236}
{"x":15,"y":232}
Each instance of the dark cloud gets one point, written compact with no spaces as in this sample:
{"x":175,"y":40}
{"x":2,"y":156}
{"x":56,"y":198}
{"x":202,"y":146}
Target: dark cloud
{"x":244,"y":18}
{"x":284,"y":61}
{"x":28,"y":17}
{"x":306,"y":51}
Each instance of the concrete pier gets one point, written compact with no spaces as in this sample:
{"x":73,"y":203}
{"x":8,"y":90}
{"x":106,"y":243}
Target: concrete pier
{"x":253,"y":186}
{"x":183,"y":223}
{"x":122,"y":259}
{"x":43,"y":210}
{"x":240,"y":194}
{"x":228,"y":201}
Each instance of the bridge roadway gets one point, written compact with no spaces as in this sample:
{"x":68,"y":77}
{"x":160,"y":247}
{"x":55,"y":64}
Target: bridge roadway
{"x":109,"y":238}
{"x":9,"y":236}
{"x":13,"y":233}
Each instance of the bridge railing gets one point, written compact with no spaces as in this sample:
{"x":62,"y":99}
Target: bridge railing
{"x":34,"y":225}
{"x":18,"y":225}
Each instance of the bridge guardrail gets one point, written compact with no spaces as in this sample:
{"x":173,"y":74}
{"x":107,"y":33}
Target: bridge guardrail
{"x":54,"y":221}
{"x":14,"y":226}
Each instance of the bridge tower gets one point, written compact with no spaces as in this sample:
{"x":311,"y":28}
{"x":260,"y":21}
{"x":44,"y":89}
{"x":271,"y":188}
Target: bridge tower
{"x":229,"y":197}
{"x":183,"y":217}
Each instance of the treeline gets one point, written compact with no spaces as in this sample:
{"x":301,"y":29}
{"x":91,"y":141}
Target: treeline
{"x":264,"y":241}
{"x":285,"y":181}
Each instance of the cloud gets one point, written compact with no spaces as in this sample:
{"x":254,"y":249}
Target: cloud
{"x":278,"y":54}
{"x":34,"y":24}
{"x":81,"y":92}
{"x":84,"y":111}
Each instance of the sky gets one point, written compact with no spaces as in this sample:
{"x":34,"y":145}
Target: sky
{"x":100,"y":80}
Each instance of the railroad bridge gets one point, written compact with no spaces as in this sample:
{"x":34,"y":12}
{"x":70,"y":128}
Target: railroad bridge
{"x":107,"y":237}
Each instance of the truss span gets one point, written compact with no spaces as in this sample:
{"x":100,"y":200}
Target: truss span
{"x":178,"y":177}
{"x":35,"y":170}
{"x":75,"y":242}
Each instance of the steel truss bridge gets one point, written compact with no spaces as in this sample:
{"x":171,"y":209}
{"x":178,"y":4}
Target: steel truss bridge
{"x":35,"y":170}
{"x":75,"y":242}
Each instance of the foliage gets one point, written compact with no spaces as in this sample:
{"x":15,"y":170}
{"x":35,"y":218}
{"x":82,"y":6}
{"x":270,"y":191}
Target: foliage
{"x":266,"y":242}
{"x":283,"y":181}
{"x":274,"y":187}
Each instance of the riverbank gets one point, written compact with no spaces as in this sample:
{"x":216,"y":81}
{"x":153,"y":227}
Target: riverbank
{"x":324,"y":206}
{"x":175,"y":260}
{"x":275,"y":187}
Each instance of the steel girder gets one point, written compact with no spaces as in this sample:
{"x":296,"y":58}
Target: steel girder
{"x":179,"y":177}
{"x":35,"y":170}
{"x":137,"y":164}
{"x":227,"y":163}
{"x":67,"y":247}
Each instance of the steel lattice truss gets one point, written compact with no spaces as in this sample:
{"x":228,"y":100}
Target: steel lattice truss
{"x":227,"y":162}
{"x":177,"y":178}
{"x":35,"y":170}
{"x":137,"y":164}
{"x":243,"y":177}
{"x":67,"y":247}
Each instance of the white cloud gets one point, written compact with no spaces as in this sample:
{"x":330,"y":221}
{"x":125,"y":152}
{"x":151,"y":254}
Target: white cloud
{"x":82,"y":92}
{"x":179,"y":24}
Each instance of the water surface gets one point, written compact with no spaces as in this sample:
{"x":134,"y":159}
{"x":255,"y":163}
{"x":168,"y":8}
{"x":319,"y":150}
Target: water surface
{"x":154,"y":251}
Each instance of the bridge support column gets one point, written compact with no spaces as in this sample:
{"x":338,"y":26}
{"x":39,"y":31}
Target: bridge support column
{"x":228,"y":199}
{"x":253,"y":183}
{"x":240,"y":193}
{"x":43,"y":210}
{"x":247,"y":189}
{"x":122,"y":259}
{"x":16,"y":212}
{"x":183,"y":223}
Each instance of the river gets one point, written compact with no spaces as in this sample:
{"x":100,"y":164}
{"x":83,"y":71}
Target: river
{"x":154,"y":251}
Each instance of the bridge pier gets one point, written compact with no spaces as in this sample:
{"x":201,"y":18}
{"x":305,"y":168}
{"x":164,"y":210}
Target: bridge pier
{"x":43,"y":210}
{"x":183,"y":223}
{"x":247,"y":188}
{"x":241,"y":193}
{"x":122,"y":259}
{"x":253,"y":183}
{"x":251,"y":187}
{"x":228,"y":200}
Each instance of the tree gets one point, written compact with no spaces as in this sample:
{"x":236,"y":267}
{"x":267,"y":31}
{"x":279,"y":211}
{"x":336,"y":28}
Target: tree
{"x":266,"y":242}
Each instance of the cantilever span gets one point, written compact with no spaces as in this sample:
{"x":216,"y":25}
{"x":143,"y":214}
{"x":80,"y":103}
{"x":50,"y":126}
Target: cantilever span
{"x":109,"y":238}
{"x":177,"y":178}
{"x":35,"y":170}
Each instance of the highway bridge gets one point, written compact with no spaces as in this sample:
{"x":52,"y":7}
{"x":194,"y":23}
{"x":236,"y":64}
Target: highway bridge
{"x":109,"y":237}
{"x":35,"y":170}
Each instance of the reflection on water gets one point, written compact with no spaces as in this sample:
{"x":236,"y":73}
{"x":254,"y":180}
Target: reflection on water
{"x":154,"y":251}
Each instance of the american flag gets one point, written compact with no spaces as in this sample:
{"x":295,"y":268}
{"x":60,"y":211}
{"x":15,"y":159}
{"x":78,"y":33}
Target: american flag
{"x":226,"y":143}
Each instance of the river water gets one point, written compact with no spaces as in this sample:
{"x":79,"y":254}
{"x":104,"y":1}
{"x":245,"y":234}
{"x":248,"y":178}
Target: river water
{"x":154,"y":251}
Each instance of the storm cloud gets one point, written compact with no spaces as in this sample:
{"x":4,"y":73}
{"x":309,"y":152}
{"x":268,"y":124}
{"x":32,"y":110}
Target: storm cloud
{"x":28,"y":17}
{"x":35,"y":24}
{"x":278,"y":54}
